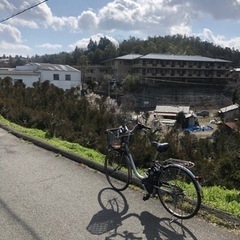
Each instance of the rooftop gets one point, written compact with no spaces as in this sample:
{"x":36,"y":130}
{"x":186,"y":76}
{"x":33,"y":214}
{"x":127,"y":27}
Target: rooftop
{"x":48,"y":67}
{"x":229,"y":108}
{"x":232,"y":125}
{"x":129,"y":57}
{"x":13,"y":71}
{"x":181,"y":58}
{"x":159,"y":56}
{"x":172,"y":109}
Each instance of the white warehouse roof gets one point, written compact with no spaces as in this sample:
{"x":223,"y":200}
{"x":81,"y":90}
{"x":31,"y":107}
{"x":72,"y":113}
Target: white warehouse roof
{"x":46,"y":67}
{"x":172,"y":110}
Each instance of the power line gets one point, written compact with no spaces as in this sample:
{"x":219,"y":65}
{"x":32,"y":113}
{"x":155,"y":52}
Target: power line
{"x":14,"y":15}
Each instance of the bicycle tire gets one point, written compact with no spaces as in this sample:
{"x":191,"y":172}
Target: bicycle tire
{"x":117,"y":170}
{"x":179,"y":191}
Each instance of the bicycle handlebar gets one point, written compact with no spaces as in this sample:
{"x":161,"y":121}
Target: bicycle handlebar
{"x":138,"y":126}
{"x":121,"y":136}
{"x":141,"y":126}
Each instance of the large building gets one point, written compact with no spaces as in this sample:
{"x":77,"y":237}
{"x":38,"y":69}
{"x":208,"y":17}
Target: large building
{"x":62,"y":76}
{"x":179,"y":68}
{"x":175,"y":79}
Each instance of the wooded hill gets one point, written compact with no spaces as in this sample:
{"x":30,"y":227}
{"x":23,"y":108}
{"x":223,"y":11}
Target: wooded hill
{"x":96,"y":53}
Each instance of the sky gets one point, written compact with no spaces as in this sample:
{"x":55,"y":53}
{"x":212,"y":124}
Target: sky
{"x":55,"y":26}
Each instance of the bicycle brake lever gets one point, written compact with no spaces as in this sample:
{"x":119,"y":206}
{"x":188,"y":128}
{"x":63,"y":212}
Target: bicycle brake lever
{"x":142,"y":126}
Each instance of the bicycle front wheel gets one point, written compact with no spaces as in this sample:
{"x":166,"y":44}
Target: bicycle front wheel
{"x":179,"y":191}
{"x":117,"y":170}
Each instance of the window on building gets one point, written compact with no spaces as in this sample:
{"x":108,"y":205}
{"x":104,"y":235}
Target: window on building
{"x":207,"y":65}
{"x":68,"y":77}
{"x":55,"y":76}
{"x":207,"y":73}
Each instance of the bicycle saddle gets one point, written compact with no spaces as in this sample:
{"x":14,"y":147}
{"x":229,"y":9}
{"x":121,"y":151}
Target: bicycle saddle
{"x":160,"y":147}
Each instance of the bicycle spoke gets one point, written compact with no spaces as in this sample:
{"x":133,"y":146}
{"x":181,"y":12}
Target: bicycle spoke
{"x":117,"y":171}
{"x":179,"y":192}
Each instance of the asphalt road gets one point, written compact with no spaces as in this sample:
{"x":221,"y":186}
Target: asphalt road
{"x":46,"y":196}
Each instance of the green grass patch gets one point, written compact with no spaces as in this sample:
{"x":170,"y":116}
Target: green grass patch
{"x":71,"y":147}
{"x":222,"y":199}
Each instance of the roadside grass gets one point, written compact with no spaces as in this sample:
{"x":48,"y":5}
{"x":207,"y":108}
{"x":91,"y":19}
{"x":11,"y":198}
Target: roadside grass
{"x":215,"y":197}
{"x":71,"y":147}
{"x":222,"y":199}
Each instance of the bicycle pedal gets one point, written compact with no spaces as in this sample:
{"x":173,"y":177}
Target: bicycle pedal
{"x":146,"y":197}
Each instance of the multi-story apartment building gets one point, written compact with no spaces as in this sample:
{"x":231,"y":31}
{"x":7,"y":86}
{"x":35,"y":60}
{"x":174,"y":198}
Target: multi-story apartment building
{"x":121,"y":66}
{"x":177,"y":68}
{"x":174,"y":79}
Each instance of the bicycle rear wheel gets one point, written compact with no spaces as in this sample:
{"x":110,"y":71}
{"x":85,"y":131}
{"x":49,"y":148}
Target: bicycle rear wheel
{"x":117,"y":170}
{"x":179,"y":191}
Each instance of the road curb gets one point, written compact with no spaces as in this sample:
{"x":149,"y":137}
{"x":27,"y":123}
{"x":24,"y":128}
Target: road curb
{"x":235,"y":221}
{"x":49,"y":147}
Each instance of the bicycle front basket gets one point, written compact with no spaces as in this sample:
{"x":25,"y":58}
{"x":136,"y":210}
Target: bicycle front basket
{"x":115,"y":139}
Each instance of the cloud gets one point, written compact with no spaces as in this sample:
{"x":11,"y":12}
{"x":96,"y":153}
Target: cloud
{"x":48,"y":20}
{"x":218,"y":9}
{"x":180,"y":29}
{"x":10,"y":33}
{"x":87,"y":19}
{"x":43,"y":16}
{"x":35,"y":17}
{"x":6,"y":5}
{"x":14,"y":49}
{"x":219,"y":40}
{"x":163,"y":17}
{"x":83,"y":43}
{"x":147,"y":18}
{"x":11,"y":41}
{"x":133,"y":15}
{"x":49,"y":46}
{"x":23,"y":23}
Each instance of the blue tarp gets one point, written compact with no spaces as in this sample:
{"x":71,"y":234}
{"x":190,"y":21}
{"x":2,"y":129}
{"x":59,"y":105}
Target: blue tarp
{"x":199,"y":128}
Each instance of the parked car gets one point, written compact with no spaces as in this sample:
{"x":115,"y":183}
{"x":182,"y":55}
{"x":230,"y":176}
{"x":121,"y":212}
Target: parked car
{"x":213,"y":121}
{"x":203,"y":113}
{"x":207,"y":128}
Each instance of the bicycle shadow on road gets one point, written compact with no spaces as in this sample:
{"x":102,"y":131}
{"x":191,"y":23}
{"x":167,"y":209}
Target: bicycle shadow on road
{"x":115,"y":211}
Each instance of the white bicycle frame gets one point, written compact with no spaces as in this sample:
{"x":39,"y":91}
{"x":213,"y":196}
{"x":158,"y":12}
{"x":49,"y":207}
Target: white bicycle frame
{"x":133,"y":166}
